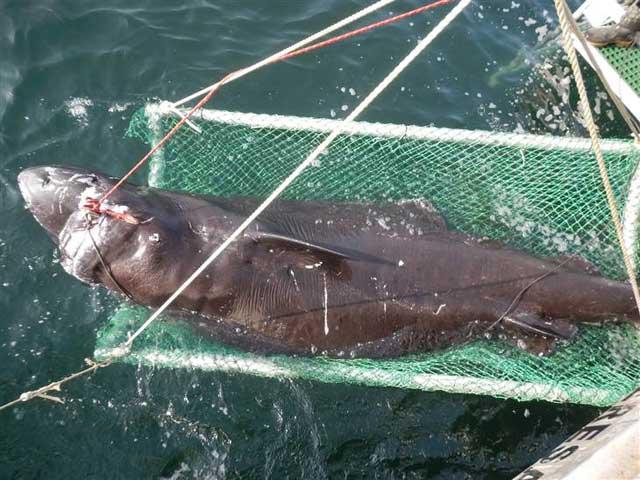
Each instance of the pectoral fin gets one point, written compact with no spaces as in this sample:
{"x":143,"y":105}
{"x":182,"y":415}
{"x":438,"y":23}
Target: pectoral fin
{"x":320,"y":250}
{"x":272,"y":240}
{"x":269,"y":252}
{"x":533,"y":323}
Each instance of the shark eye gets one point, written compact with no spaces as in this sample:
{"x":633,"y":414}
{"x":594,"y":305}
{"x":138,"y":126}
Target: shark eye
{"x":46,"y":180}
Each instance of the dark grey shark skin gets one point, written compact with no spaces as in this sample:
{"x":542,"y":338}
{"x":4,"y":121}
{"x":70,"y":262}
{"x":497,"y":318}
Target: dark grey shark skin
{"x":313,"y":278}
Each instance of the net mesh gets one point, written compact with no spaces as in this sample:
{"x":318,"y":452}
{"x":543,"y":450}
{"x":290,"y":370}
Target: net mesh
{"x":625,"y":61}
{"x":538,"y":194}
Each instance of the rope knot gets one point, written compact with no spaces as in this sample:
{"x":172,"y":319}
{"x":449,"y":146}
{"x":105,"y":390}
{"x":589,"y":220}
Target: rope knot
{"x":26,"y":396}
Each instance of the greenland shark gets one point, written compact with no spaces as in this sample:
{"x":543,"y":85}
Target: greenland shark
{"x":316,"y":278}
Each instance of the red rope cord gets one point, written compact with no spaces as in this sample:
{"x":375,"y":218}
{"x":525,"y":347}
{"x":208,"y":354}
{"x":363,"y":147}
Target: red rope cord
{"x":96,"y":205}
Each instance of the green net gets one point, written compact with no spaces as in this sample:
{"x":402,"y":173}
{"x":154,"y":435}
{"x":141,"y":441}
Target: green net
{"x":626,"y":62}
{"x":538,"y":194}
{"x":600,"y":369}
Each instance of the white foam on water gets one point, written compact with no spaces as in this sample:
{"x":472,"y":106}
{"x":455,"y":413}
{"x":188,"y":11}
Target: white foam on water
{"x":118,"y":107}
{"x":77,"y":108}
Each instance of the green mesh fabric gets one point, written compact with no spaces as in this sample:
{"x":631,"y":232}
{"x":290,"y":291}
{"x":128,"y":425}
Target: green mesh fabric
{"x":545,"y":197}
{"x":600,"y":369}
{"x":539,"y":194}
{"x":625,"y":61}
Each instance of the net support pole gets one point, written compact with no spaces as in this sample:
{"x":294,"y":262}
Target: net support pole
{"x":422,"y":45}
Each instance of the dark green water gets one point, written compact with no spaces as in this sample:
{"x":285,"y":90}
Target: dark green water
{"x":71,"y":75}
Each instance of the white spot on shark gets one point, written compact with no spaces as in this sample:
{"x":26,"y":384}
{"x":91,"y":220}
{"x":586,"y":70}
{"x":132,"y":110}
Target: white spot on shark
{"x":440,"y":308}
{"x":326,"y":300}
{"x":383,"y":223}
{"x":140,"y":252}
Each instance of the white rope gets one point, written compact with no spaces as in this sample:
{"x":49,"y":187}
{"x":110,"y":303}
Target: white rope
{"x":55,"y":386}
{"x":332,"y":28}
{"x":296,"y":173}
{"x":563,"y":10}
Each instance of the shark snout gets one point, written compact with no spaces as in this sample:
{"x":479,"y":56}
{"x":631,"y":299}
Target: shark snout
{"x":52,"y":194}
{"x":31,"y":182}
